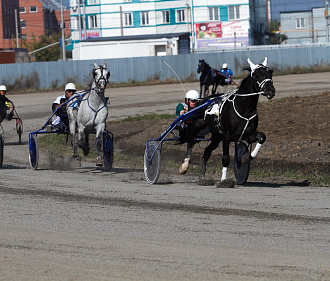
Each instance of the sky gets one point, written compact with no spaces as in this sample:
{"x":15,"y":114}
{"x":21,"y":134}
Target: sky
{"x":278,"y":6}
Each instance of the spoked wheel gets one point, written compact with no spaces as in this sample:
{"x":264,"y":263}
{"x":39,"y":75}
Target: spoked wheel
{"x":33,"y":151}
{"x":107,"y":151}
{"x":1,"y":149}
{"x":241,"y":170}
{"x":19,"y":129}
{"x":152,"y":162}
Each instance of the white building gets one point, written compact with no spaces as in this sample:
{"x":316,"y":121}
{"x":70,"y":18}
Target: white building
{"x":305,"y":27}
{"x":127,"y":28}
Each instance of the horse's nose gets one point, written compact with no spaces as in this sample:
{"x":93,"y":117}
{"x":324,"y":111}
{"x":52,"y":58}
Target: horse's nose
{"x":270,"y":93}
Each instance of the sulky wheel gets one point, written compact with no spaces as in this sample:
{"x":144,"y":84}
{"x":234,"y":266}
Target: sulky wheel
{"x":152,"y":162}
{"x":1,"y":149}
{"x":107,"y":151}
{"x":241,"y":170}
{"x":19,"y":129}
{"x":33,"y":151}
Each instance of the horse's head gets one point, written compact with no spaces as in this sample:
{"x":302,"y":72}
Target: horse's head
{"x":101,"y":75}
{"x":263,"y":76}
{"x":201,"y":64}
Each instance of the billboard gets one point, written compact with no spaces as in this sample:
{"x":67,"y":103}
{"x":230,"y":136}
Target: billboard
{"x":90,"y":33}
{"x":222,"y":34}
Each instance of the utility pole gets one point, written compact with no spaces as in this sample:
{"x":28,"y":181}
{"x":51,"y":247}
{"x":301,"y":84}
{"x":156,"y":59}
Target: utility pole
{"x":326,"y":21}
{"x":121,"y":21}
{"x":16,"y":23}
{"x":62,"y":27}
{"x":79,"y":20}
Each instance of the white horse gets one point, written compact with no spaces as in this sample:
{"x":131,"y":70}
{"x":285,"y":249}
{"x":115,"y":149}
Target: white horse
{"x":89,"y":113}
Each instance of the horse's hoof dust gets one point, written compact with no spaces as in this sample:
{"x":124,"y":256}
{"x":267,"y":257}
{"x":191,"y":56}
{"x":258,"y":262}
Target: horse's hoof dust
{"x":206,"y":182}
{"x":226,"y":184}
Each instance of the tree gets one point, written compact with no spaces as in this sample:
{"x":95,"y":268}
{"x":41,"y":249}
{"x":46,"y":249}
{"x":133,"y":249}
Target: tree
{"x":50,"y":54}
{"x":274,"y":33}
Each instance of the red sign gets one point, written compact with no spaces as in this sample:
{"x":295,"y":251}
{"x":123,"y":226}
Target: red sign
{"x":208,"y":30}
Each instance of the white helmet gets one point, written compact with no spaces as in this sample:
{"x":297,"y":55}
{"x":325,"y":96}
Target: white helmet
{"x":70,"y":86}
{"x":3,"y":88}
{"x":224,"y":65}
{"x":192,"y":95}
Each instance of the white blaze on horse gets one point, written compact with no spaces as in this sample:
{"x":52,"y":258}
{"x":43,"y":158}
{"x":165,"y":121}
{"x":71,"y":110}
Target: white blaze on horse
{"x":90,"y":115}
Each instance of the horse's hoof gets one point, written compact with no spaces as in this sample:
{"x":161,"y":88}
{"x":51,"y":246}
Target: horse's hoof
{"x":86,"y":151}
{"x":99,"y":162}
{"x":77,"y":162}
{"x":226,"y":184}
{"x":185,"y":166}
{"x":246,"y":158}
{"x":182,"y":171}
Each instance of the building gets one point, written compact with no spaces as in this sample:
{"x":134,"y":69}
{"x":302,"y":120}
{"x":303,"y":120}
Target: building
{"x":8,"y":23}
{"x":37,"y":17}
{"x":209,"y":24}
{"x":305,"y":27}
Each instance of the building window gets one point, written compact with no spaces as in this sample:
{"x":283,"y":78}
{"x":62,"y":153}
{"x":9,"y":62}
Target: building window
{"x":127,"y":0}
{"x":23,"y":23}
{"x":233,"y":12}
{"x":92,"y":21}
{"x":165,"y":16}
{"x":22,"y":10}
{"x":144,"y":18}
{"x":300,"y":23}
{"x":23,"y":36}
{"x":128,"y":19}
{"x":214,"y":13}
{"x":180,"y":16}
{"x":93,"y":2}
{"x":33,"y":9}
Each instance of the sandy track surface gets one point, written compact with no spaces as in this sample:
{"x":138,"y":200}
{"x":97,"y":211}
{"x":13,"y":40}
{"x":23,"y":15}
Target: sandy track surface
{"x":89,"y":224}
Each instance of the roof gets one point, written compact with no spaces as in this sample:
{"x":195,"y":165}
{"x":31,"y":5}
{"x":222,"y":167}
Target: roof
{"x":137,"y":37}
{"x":51,"y":4}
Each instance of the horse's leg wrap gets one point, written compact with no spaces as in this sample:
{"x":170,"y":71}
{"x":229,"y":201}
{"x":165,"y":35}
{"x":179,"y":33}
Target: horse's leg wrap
{"x":224,"y":174}
{"x":261,"y":139}
{"x":185,"y":166}
{"x":225,"y":160}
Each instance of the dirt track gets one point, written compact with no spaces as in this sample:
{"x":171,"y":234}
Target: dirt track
{"x":87,"y":224}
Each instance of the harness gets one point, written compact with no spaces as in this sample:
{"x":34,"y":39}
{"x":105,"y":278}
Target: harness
{"x":216,"y":109}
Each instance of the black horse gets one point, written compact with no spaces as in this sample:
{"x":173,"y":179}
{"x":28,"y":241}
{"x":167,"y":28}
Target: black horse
{"x":209,"y":76}
{"x":235,"y":119}
{"x":3,"y":108}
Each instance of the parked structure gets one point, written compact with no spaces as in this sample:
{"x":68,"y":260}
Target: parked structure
{"x":305,"y":27}
{"x":122,"y":28}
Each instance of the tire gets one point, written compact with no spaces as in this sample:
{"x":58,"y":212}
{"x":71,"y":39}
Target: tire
{"x":107,"y":151}
{"x":1,"y":149}
{"x":33,"y":151}
{"x":152,"y":162}
{"x":19,"y":130}
{"x":241,"y":170}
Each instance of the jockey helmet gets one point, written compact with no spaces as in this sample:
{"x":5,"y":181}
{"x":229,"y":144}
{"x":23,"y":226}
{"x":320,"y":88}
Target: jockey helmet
{"x":225,"y":65}
{"x":192,"y":95}
{"x":3,"y":88}
{"x":70,"y":86}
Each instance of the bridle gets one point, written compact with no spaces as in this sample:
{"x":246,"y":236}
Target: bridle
{"x":106,"y":79}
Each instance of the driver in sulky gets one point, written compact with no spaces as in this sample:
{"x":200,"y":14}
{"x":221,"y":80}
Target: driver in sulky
{"x":8,"y":103}
{"x":191,"y":100}
{"x":61,"y":121}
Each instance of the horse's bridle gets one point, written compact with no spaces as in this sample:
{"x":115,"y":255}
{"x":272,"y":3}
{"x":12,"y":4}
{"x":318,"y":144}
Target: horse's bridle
{"x":263,"y":82}
{"x":106,"y":79}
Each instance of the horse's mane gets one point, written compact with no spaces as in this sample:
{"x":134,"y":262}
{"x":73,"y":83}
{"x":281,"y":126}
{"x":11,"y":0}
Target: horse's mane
{"x":206,"y":64}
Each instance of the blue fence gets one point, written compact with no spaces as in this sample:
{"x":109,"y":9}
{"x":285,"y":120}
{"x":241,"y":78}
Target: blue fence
{"x":47,"y":74}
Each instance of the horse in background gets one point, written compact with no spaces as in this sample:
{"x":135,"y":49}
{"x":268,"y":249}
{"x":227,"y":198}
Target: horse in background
{"x":209,"y":76}
{"x":90,"y":115}
{"x":233,"y":119}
